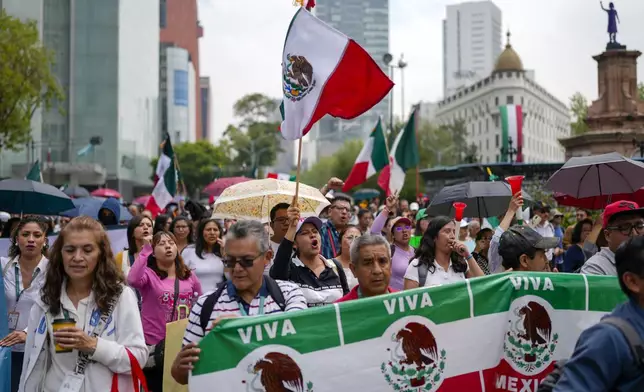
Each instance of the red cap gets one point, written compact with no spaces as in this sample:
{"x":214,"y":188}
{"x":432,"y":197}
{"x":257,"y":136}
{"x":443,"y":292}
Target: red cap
{"x":620,"y":207}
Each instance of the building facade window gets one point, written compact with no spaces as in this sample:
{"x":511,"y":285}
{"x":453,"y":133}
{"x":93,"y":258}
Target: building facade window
{"x":496,"y":141}
{"x":496,"y":101}
{"x":509,"y":100}
{"x":180,"y":87}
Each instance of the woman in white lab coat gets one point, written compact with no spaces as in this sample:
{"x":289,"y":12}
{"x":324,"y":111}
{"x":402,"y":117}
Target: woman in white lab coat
{"x":84,"y":285}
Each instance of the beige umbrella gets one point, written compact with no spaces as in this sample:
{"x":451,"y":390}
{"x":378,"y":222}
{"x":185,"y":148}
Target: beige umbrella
{"x":255,"y":199}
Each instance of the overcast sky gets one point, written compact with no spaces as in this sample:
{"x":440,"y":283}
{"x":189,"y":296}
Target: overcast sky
{"x":242,"y":45}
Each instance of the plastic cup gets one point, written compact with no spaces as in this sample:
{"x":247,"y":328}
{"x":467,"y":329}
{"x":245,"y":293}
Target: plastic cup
{"x":59,"y":324}
{"x":459,"y":208}
{"x":516,"y":183}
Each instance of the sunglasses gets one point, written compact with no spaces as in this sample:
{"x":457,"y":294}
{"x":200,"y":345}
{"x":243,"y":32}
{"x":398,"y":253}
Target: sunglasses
{"x":245,"y":262}
{"x":401,"y":228}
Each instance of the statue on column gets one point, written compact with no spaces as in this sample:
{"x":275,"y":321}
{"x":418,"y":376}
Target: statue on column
{"x":613,"y":20}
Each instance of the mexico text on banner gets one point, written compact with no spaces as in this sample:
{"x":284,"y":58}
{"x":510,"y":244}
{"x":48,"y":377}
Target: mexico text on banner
{"x":496,"y":333}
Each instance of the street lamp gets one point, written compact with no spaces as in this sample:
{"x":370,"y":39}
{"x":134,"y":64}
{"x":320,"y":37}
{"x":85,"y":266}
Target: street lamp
{"x":401,"y":65}
{"x":511,"y":151}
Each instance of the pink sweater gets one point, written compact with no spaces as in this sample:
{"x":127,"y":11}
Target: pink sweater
{"x":157,"y":297}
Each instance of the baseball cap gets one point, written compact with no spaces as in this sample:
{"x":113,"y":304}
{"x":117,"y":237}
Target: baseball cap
{"x":400,"y":219}
{"x":421,"y":214}
{"x":621,"y":208}
{"x":541,"y":206}
{"x":414,"y":206}
{"x":518,"y":240}
{"x":314,"y":220}
{"x":464,"y":223}
{"x":555,"y":213}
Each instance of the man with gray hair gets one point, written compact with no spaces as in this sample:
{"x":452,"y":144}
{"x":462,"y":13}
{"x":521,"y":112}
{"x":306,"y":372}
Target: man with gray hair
{"x":248,"y":292}
{"x":371,"y":265}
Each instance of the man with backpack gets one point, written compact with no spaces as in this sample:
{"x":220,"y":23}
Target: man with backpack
{"x":609,"y":356}
{"x":248,"y":292}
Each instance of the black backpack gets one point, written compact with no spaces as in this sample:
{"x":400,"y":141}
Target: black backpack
{"x":632,"y":337}
{"x":273,"y":288}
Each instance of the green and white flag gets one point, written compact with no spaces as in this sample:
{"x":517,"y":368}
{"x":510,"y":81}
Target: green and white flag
{"x":512,"y":131}
{"x":496,"y":333}
{"x":35,"y":174}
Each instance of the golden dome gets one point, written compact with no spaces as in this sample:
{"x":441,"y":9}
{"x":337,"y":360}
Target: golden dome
{"x":509,"y":60}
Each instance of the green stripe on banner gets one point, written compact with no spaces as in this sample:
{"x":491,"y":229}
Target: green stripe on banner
{"x":486,"y":334}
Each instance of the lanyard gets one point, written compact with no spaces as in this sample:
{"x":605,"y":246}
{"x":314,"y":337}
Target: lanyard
{"x":259,"y":312}
{"x":359,"y":293}
{"x":332,"y":240}
{"x":17,"y":273}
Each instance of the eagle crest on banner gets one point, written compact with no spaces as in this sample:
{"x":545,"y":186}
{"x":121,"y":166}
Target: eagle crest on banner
{"x":277,"y":372}
{"x":298,"y":79}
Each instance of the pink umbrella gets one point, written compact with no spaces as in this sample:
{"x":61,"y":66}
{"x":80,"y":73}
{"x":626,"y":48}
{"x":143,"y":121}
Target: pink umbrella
{"x":216,"y":187}
{"x":142,"y":200}
{"x":106,"y":192}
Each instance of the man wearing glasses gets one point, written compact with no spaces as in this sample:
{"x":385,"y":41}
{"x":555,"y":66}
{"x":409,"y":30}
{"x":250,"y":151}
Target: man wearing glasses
{"x":339,"y":216}
{"x":248,"y":292}
{"x":622,"y":219}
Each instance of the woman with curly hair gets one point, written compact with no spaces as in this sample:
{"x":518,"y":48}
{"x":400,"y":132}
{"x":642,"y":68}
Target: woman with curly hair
{"x":204,"y":258}
{"x":86,"y":323}
{"x":23,"y":276}
{"x":441,"y":258}
{"x":168,"y":289}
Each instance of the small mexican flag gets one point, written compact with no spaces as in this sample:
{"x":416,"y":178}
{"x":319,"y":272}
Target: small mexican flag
{"x":512,"y":129}
{"x":35,"y":174}
{"x":403,"y":156}
{"x":165,"y":187}
{"x":372,"y":158}
{"x":325,"y":72}
{"x":281,"y":176}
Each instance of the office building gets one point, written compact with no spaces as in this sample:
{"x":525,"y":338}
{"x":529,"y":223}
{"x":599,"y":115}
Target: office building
{"x":107,"y":61}
{"x":471,"y":43}
{"x":545,"y":118}
{"x":206,"y":97}
{"x":178,"y":110}
{"x":367,"y":22}
{"x":180,"y":28}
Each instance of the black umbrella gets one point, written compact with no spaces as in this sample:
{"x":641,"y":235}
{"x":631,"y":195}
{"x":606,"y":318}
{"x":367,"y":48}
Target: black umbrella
{"x":76,"y":192}
{"x":598,"y":175}
{"x":483,"y":199}
{"x":30,"y":197}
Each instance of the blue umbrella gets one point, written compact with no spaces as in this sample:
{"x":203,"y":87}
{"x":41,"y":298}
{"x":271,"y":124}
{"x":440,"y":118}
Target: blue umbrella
{"x":366,"y":194}
{"x":30,"y":197}
{"x":90,"y":206}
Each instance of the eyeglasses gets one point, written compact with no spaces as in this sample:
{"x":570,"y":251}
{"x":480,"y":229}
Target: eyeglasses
{"x":401,"y":228}
{"x":627,"y":228}
{"x":342,"y":209}
{"x":244,"y":262}
{"x":281,"y":220}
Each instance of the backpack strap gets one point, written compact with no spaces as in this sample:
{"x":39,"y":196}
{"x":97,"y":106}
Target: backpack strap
{"x":275,"y":292}
{"x":632,"y":337}
{"x":423,"y":269}
{"x":209,"y":305}
{"x":339,"y":270}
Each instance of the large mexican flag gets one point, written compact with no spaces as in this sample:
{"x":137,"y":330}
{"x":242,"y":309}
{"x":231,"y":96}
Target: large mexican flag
{"x":512,"y":131}
{"x":165,"y":187}
{"x":496,"y":333}
{"x":325,"y":72}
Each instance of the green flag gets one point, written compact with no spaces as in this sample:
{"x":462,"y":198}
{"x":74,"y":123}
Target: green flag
{"x":34,"y":173}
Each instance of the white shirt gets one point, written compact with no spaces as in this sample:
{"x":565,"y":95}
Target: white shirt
{"x":209,"y":270}
{"x":27,"y":298}
{"x":436,"y":278}
{"x":274,"y":247}
{"x":352,"y":281}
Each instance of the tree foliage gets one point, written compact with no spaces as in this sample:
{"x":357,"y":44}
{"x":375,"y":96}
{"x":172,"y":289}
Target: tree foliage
{"x":199,"y":163}
{"x":256,"y":140}
{"x":579,"y":111}
{"x":26,"y":81}
{"x":640,"y":90}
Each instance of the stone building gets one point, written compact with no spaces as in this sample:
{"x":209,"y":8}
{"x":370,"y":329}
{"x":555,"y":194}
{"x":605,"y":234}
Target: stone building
{"x":545,"y":118}
{"x":616,"y":118}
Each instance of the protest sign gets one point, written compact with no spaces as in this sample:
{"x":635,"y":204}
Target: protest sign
{"x":496,"y":333}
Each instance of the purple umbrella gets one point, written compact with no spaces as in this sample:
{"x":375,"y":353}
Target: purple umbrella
{"x":598,"y":175}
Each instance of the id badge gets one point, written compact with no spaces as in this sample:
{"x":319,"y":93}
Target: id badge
{"x":13,"y":320}
{"x":72,"y":383}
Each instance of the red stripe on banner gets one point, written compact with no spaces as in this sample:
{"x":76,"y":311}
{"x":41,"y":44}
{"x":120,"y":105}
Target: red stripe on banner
{"x":153,"y":207}
{"x":519,"y":115}
{"x":383,"y":179}
{"x":356,"y":85}
{"x":503,"y":377}
{"x":357,"y":176}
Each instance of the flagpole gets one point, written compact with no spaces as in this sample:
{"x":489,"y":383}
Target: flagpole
{"x":297,"y":173}
{"x":415,"y":111}
{"x":178,"y":169}
{"x":384,"y":134}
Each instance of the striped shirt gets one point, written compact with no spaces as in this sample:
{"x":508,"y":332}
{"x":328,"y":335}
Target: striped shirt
{"x":228,"y":304}
{"x":320,"y":290}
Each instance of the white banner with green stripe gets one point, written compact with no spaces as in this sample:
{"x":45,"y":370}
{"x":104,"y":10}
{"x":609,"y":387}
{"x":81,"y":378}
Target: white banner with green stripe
{"x":496,"y":333}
